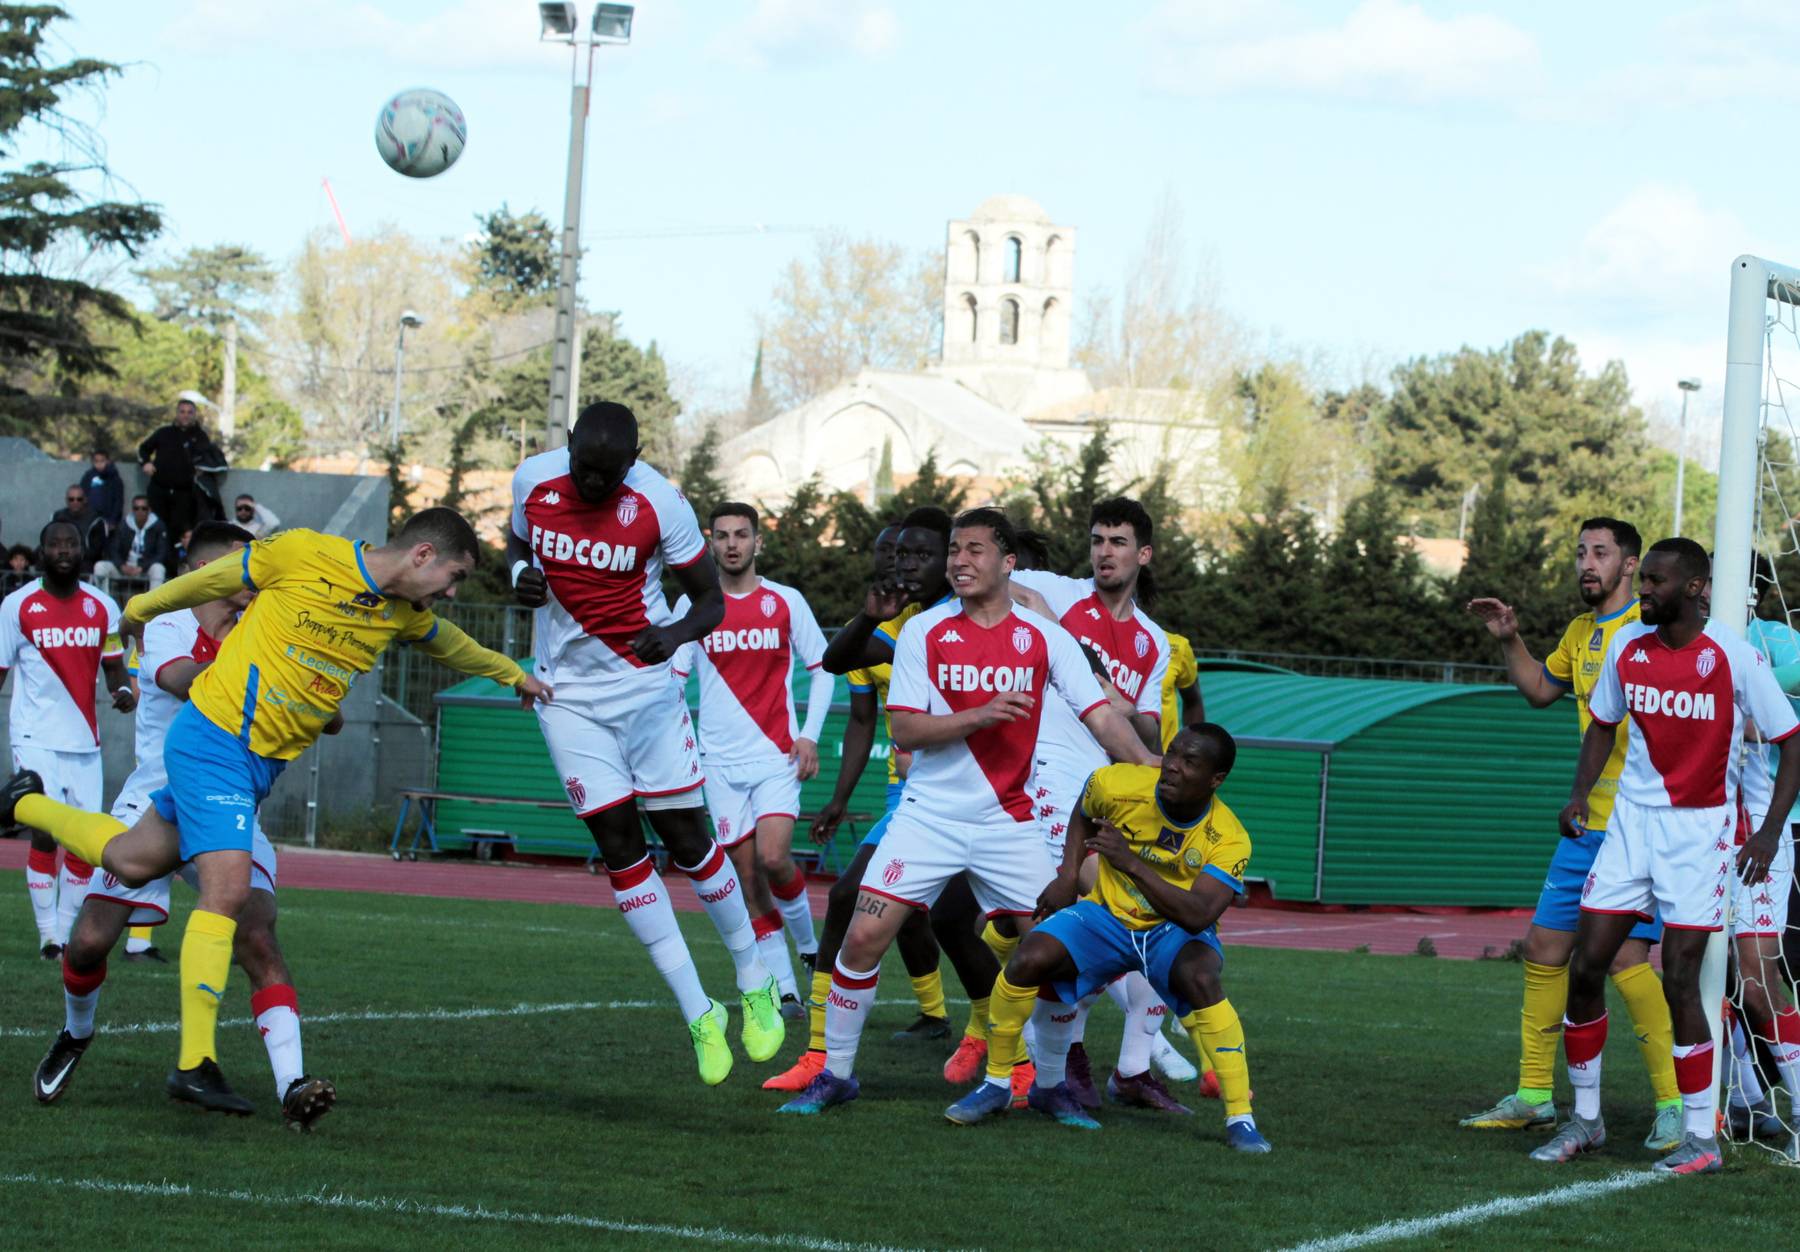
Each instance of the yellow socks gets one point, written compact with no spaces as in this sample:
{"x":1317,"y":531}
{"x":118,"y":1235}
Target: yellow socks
{"x":1540,"y":1028}
{"x":815,"y":1009}
{"x":930,"y":990}
{"x":1010,"y":1008}
{"x":1219,"y":1036}
{"x":205,"y":963}
{"x":978,"y":1019}
{"x":1643,"y":992}
{"x":999,"y":944}
{"x":81,"y":832}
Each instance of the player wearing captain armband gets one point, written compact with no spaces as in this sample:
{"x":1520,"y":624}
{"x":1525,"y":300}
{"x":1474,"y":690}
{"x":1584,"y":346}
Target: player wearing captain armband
{"x":1688,"y":688}
{"x":325,"y":610}
{"x":1172,"y":856}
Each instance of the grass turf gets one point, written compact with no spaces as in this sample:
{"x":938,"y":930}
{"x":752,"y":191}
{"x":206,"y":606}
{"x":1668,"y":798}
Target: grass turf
{"x":1361,"y":1064}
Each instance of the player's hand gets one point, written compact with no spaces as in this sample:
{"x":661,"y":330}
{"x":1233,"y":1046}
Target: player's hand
{"x":1573,"y":821}
{"x":1501,"y":621}
{"x":805,"y":756}
{"x":131,"y":633}
{"x":1754,"y":857}
{"x":1008,"y":706}
{"x":124,"y":700}
{"x":825,"y":825}
{"x":1059,"y":895}
{"x":1109,"y":843}
{"x":531,"y":691}
{"x":884,"y":601}
{"x":654,"y":645}
{"x":533,"y":589}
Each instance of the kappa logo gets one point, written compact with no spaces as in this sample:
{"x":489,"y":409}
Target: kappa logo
{"x":577,"y":792}
{"x":553,"y":497}
{"x":1093,"y":613}
{"x":37,"y":608}
{"x":1640,"y":655}
{"x":1021,"y":639}
{"x":891,"y":874}
{"x":1706,"y":662}
{"x":950,"y":636}
{"x":1141,"y":644}
{"x":768,"y":604}
{"x":628,"y":510}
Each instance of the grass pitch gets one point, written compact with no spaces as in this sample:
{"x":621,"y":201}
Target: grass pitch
{"x":512,"y":1074}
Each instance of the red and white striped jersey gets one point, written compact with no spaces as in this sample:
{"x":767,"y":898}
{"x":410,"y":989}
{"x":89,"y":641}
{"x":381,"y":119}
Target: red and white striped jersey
{"x":54,"y":648}
{"x":604,"y":563}
{"x":944,"y":663}
{"x":746,"y":675}
{"x":1687,"y":708}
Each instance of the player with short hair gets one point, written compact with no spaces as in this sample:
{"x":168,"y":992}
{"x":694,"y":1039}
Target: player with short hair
{"x":1687,"y":687}
{"x":1607,"y":551}
{"x":970,"y":681}
{"x":594,"y":529}
{"x":752,"y":747}
{"x":177,"y":648}
{"x":57,"y":636}
{"x":325,"y":610}
{"x":1171,"y":858}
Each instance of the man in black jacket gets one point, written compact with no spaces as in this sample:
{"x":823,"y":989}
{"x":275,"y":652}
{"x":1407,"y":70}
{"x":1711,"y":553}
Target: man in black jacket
{"x":139,"y":548}
{"x":105,"y":489}
{"x":89,"y":524}
{"x":172,"y":457}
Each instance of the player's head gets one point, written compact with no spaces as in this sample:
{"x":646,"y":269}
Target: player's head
{"x":59,"y":550}
{"x":1672,"y":581}
{"x":1606,"y":554}
{"x":602,"y":449}
{"x":887,"y":541}
{"x":436,"y":549}
{"x":983,"y":552}
{"x":212,"y":540}
{"x":1034,"y":549}
{"x":1194,"y":765}
{"x":735,"y":536}
{"x":1118,"y":542}
{"x":919,"y":557}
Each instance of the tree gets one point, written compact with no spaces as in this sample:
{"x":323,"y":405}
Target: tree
{"x":49,"y":226}
{"x":858,"y":303}
{"x":1281,"y":447}
{"x":1383,"y":602}
{"x":515,"y":258}
{"x":1511,"y":558}
{"x":758,"y":407}
{"x":208,"y":287}
{"x":1266,"y":592}
{"x":699,"y":477}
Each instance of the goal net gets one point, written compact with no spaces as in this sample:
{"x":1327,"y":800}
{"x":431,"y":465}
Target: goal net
{"x":1756,"y":586}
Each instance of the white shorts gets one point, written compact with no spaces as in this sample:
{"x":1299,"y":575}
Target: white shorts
{"x":1671,"y":861}
{"x":739,"y":796}
{"x":1007,"y":863}
{"x":1761,"y":910}
{"x":1057,"y":793}
{"x":74,"y":778}
{"x":150,"y":902}
{"x":631,"y":737}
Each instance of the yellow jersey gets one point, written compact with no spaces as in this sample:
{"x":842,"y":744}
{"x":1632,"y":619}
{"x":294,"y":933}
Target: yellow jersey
{"x":875,"y":678}
{"x":318,"y":622}
{"x":1215,"y":843}
{"x":1184,"y":671}
{"x":1575,"y":665}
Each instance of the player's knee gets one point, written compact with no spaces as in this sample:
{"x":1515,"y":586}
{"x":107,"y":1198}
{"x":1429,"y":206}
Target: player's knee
{"x":841,"y":899}
{"x":1587,"y":974}
{"x":777,"y":864}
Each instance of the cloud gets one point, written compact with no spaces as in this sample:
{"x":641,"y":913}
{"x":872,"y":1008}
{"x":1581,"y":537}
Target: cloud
{"x":467,"y":35}
{"x":1384,"y":51}
{"x":807,"y":32}
{"x":1659,"y":250}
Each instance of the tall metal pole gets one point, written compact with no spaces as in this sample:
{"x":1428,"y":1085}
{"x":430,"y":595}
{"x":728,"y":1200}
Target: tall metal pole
{"x":228,"y":390}
{"x":399,"y":366}
{"x":1681,"y":463}
{"x":562,"y":361}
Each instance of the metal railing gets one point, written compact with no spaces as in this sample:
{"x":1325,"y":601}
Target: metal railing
{"x":410,"y":679}
{"x":1319,"y":665}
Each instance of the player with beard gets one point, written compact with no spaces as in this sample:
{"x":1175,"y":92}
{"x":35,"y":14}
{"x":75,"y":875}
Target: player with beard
{"x":1606,"y":558}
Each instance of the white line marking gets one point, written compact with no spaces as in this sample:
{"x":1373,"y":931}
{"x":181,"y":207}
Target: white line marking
{"x":412,"y":1208}
{"x":397,"y":919}
{"x":1506,"y":1206}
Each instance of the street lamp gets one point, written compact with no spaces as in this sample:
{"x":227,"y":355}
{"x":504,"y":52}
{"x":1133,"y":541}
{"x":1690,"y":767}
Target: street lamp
{"x":408,"y":318}
{"x":559,"y":21}
{"x":1688,"y":387}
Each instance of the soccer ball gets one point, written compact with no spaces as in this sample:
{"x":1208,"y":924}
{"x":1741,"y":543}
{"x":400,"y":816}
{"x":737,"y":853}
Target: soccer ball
{"x":420,"y":132}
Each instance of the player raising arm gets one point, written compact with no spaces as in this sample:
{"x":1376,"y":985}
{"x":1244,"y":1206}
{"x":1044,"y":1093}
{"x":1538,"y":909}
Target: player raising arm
{"x":325,"y":610}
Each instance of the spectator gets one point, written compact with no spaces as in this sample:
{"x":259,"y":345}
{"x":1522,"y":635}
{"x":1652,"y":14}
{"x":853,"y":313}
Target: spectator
{"x":139,"y":548}
{"x":76,"y":512}
{"x":172,"y":457}
{"x":18,"y":568}
{"x":258,"y":519}
{"x":105,"y":489}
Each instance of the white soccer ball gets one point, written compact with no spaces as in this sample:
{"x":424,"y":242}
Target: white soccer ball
{"x":420,"y":132}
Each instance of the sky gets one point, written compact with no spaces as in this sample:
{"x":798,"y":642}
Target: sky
{"x":1367,"y":180}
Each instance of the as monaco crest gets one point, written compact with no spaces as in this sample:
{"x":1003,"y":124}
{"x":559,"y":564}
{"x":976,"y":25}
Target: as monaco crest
{"x":87,"y":606}
{"x":768,"y":604}
{"x":628,"y":510}
{"x":1142,"y":644}
{"x":1706,"y":662}
{"x":577,"y":792}
{"x":891,"y":874}
{"x":1021,"y":639}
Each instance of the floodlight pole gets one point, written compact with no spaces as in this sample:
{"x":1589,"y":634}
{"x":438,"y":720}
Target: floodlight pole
{"x":562,"y":361}
{"x":1688,"y":387}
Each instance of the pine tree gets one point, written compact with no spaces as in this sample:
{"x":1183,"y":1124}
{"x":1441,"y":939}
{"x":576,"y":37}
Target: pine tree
{"x":758,"y":407}
{"x":699,"y":477}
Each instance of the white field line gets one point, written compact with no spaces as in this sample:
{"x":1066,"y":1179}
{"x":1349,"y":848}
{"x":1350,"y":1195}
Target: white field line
{"x":385,"y":1205}
{"x":1506,"y":1206}
{"x":396,"y":919}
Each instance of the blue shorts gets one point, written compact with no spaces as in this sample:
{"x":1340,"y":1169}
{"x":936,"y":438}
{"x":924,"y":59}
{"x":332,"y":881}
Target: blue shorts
{"x":881,"y":823}
{"x":215,"y":785}
{"x":1559,"y":904}
{"x":1103,"y":947}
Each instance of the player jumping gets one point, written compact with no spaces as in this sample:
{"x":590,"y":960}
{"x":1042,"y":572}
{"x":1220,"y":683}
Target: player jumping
{"x":593,"y":531}
{"x":1606,"y":557}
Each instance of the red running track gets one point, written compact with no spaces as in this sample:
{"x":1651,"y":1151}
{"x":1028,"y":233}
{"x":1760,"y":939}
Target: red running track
{"x":1453,"y":934}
